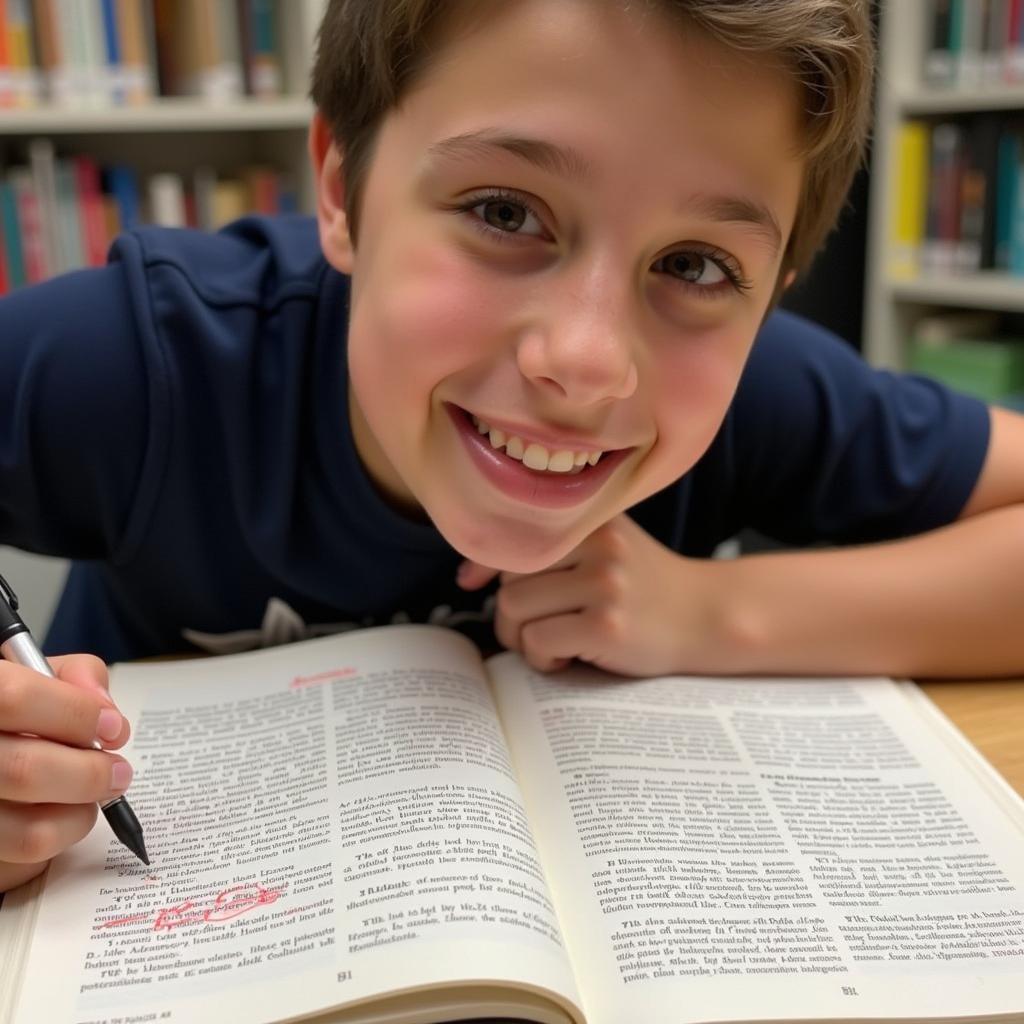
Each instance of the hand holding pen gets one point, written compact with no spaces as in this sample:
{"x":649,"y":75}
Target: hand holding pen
{"x":56,"y":735}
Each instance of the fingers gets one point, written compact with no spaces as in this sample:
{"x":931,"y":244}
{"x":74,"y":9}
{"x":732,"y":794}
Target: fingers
{"x":58,"y":709}
{"x":551,"y":644}
{"x":85,"y":671}
{"x":34,"y":770}
{"x":30,"y":834}
{"x":473,"y":575}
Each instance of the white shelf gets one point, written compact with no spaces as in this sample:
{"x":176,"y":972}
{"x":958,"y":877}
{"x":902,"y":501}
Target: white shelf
{"x":918,"y":102}
{"x":891,"y":305}
{"x":163,"y":115}
{"x":1002,"y":292}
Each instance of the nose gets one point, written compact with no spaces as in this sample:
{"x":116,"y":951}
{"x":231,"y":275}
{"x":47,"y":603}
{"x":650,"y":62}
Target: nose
{"x":583,"y":345}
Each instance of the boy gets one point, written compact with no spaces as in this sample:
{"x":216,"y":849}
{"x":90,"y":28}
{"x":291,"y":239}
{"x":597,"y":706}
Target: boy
{"x":564,"y":222}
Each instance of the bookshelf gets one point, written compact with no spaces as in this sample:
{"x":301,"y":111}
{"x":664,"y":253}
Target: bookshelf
{"x":168,"y":134}
{"x":894,"y":302}
{"x":176,"y":135}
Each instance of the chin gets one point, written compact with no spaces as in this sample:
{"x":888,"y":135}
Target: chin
{"x":520,"y":548}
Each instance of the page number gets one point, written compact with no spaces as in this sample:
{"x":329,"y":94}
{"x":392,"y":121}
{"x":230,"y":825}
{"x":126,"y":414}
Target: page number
{"x":849,"y":990}
{"x":344,"y":975}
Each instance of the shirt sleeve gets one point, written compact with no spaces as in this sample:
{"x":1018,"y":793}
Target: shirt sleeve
{"x":830,"y":449}
{"x":74,"y":414}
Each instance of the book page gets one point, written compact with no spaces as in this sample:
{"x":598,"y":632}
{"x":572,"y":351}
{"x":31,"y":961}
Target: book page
{"x":326,"y":822}
{"x":758,"y":849}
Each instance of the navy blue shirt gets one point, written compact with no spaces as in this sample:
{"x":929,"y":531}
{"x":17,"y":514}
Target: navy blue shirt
{"x":176,"y":423}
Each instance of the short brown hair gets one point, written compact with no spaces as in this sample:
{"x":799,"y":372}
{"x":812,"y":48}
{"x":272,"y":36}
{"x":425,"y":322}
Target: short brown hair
{"x":370,"y":53}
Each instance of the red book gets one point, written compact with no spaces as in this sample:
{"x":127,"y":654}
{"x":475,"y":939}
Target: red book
{"x":91,"y":215}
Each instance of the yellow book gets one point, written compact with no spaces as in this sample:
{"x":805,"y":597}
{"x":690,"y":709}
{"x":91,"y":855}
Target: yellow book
{"x":908,"y":217}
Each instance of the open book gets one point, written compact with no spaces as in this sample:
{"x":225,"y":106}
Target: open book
{"x":380,"y":827}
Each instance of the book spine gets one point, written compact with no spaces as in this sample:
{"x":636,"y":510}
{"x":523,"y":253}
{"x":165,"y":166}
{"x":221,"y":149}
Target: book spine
{"x":92,"y":223}
{"x":204,"y":186}
{"x":137,"y":76}
{"x":1007,"y":161}
{"x":988,"y":129}
{"x":72,"y":250}
{"x":42,"y":163}
{"x":910,"y":202}
{"x":167,"y":200}
{"x":62,"y":85}
{"x":971,"y":32}
{"x":95,"y":67}
{"x":262,"y":187}
{"x":1016,"y":261}
{"x":938,"y":63}
{"x":264,"y":75}
{"x":26,"y":80}
{"x":944,"y":197}
{"x":996,"y":41}
{"x":122,"y":183}
{"x":11,"y":233}
{"x":6,"y":63}
{"x":113,"y":52}
{"x":71,"y":29}
{"x":5,"y":275}
{"x":30,"y":225}
{"x":226,"y":76}
{"x":1015,"y":43}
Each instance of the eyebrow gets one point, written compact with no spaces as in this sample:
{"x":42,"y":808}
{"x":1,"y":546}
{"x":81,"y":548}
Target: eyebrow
{"x":568,"y":162}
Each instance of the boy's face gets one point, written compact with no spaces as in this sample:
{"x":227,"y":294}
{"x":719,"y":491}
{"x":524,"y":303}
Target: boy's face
{"x":570,"y":231}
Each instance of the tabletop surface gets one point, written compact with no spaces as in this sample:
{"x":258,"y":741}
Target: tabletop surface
{"x":991,"y":715}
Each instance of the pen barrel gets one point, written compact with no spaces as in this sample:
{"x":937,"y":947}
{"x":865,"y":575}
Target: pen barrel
{"x":19,"y":648}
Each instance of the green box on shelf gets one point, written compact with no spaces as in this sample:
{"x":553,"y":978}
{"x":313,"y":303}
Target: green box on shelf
{"x":987,"y":368}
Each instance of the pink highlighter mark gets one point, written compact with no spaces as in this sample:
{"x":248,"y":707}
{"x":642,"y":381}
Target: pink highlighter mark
{"x":321,"y":677}
{"x":230,"y":903}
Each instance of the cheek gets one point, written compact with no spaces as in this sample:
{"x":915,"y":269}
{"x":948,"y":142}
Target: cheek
{"x":420,"y":316}
{"x":694,"y":388}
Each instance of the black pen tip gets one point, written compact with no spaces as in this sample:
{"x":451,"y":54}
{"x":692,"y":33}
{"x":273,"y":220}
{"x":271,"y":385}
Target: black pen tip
{"x":126,"y":827}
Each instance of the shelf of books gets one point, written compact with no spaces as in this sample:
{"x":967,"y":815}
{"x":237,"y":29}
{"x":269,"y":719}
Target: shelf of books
{"x":946,"y":251}
{"x":117,"y":112}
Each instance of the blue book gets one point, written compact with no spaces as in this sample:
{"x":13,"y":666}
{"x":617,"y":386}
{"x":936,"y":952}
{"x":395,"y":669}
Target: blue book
{"x":123,"y":185}
{"x":11,"y":235}
{"x":112,"y":45}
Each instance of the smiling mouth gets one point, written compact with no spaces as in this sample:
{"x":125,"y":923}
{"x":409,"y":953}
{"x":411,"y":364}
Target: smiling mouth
{"x":535,"y":456}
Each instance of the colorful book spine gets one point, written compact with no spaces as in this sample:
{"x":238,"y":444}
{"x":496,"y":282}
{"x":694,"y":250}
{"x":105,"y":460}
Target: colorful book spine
{"x":1007,"y":162}
{"x":939,"y":67}
{"x":945,"y":167}
{"x":1015,"y":44}
{"x":92,"y":219}
{"x":30,"y":225}
{"x":261,"y":65}
{"x":137,"y":74}
{"x":11,"y":235}
{"x":6,"y":64}
{"x":61,"y":213}
{"x":995,"y":41}
{"x":910,"y":199}
{"x":26,"y":81}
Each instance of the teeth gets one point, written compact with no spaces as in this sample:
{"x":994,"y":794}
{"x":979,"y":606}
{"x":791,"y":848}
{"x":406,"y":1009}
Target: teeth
{"x":536,"y":456}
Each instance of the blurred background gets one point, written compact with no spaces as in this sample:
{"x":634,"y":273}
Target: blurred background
{"x":194,"y":112}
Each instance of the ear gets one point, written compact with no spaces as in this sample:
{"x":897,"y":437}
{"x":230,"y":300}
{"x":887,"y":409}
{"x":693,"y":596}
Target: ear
{"x":788,"y":279}
{"x":326,"y":160}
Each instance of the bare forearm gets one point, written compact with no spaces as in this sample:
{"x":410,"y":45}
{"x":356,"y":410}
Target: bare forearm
{"x":946,"y":603}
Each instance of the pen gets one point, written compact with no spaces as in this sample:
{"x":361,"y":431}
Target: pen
{"x":17,"y":645}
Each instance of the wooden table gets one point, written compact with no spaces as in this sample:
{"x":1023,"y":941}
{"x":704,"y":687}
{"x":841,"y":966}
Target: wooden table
{"x":991,"y":715}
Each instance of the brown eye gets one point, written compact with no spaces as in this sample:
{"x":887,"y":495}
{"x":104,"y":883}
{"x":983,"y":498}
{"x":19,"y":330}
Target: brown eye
{"x":693,"y":267}
{"x":503,"y":215}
